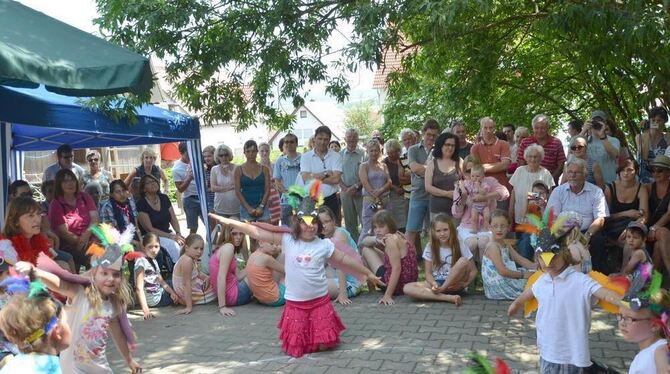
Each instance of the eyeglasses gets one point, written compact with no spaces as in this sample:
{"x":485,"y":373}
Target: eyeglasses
{"x":576,"y":147}
{"x":224,"y":155}
{"x":628,"y":320}
{"x":289,"y":141}
{"x":449,"y":145}
{"x":93,"y":159}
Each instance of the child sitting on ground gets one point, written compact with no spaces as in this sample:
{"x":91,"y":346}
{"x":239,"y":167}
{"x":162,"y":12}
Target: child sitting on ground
{"x":645,"y":322}
{"x":191,"y":284}
{"x":478,"y":187}
{"x":634,"y":252}
{"x":503,"y":280}
{"x":150,"y":287}
{"x":265,"y":274}
{"x":35,"y":322}
{"x":390,"y":256}
{"x":564,"y":297}
{"x":449,"y":267}
{"x":341,"y":286}
{"x":231,"y":287}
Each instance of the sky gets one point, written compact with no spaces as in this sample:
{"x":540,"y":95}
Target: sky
{"x":80,"y":14}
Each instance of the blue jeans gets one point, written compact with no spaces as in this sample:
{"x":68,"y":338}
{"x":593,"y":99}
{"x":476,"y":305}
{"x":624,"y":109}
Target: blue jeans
{"x":547,"y":367}
{"x":192,"y":211}
{"x":418,"y":211}
{"x":525,"y":249}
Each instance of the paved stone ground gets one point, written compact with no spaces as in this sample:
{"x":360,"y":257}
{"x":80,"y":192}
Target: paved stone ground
{"x":406,"y":337}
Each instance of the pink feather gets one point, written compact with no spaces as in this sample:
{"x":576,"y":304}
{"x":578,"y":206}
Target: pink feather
{"x":350,"y":252}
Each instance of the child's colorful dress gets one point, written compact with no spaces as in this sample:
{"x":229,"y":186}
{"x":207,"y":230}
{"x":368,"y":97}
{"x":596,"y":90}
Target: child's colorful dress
{"x":409,"y":272}
{"x":497,"y":287}
{"x":201,"y":291}
{"x":309,"y":321}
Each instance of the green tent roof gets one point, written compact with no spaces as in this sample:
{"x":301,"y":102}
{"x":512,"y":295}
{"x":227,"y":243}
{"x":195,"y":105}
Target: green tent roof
{"x":37,"y":49}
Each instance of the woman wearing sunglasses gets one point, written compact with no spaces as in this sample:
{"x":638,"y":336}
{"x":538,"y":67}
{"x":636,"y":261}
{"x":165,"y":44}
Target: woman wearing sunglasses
{"x":659,"y":210}
{"x":222,"y":181}
{"x":96,"y":173}
{"x":578,"y":148}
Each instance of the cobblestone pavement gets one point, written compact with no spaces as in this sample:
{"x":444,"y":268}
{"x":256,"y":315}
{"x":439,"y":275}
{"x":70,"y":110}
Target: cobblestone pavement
{"x":406,"y":337}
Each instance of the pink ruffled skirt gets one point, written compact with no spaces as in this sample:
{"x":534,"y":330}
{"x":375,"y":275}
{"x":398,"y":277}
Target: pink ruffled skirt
{"x":309,"y":326}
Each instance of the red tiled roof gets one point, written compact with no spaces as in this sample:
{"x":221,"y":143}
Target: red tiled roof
{"x":391,"y":62}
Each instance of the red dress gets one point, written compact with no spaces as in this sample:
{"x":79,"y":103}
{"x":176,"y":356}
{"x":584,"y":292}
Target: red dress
{"x":408,"y":269}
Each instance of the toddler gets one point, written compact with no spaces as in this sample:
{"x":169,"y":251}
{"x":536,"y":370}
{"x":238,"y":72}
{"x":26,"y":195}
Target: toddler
{"x":477,"y":187}
{"x":635,"y":252}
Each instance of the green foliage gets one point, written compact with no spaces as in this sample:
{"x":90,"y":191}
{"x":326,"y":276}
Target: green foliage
{"x":117,"y":107}
{"x":508,"y":59}
{"x":363,"y":117}
{"x":173,"y":189}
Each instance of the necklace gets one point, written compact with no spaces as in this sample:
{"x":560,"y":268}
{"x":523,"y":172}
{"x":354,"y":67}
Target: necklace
{"x":153,"y":200}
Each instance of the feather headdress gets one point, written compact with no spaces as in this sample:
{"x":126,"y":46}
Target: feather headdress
{"x":306,"y":200}
{"x":115,"y":246}
{"x":546,"y":232}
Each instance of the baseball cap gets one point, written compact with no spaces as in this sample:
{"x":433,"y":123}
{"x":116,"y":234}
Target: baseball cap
{"x":638,"y":225}
{"x":599,"y":113}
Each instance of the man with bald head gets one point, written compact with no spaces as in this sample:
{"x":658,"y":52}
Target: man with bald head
{"x":554,"y":156}
{"x":493,"y":153}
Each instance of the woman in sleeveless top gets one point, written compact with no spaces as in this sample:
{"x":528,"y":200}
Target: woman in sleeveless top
{"x":578,"y":148}
{"x":252,"y":186}
{"x":374,"y":176}
{"x":400,"y":176}
{"x":626,"y":200}
{"x":442,"y":173}
{"x":223,"y":184}
{"x":659,"y":214}
{"x":148,"y":167}
{"x":652,"y":142}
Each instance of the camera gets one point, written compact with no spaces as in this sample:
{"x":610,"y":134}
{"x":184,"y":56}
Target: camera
{"x":597,"y":125}
{"x":533,"y":196}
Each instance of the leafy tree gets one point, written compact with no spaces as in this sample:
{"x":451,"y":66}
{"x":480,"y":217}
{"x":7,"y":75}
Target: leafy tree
{"x":363,"y":117}
{"x":509,"y":59}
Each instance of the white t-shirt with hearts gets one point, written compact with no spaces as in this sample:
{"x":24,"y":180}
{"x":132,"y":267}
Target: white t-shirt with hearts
{"x":305,"y":267}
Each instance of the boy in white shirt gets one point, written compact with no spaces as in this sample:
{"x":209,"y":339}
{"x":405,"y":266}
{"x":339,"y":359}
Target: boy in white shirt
{"x":564,"y":295}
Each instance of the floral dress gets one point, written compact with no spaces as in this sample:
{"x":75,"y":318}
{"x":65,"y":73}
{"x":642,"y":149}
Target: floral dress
{"x":496,"y":286}
{"x":408,"y":269}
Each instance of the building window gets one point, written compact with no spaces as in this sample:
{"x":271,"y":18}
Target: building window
{"x":303,"y":113}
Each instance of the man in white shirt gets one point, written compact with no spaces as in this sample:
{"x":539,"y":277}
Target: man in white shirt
{"x":325,"y":165}
{"x":588,"y":200}
{"x":182,"y":174}
{"x":65,"y":161}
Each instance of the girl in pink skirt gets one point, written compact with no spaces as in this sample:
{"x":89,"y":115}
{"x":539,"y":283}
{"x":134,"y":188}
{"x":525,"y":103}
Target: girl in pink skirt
{"x":309,"y":322}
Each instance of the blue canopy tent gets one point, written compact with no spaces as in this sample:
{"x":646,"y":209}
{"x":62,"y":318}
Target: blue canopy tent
{"x":36,"y":119}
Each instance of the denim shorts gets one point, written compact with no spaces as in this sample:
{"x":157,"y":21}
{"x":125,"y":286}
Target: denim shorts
{"x":166,"y":299}
{"x":281,"y":301}
{"x":245,"y":216}
{"x":243,"y":293}
{"x":192,"y":211}
{"x":353,"y":288}
{"x":418,"y":211}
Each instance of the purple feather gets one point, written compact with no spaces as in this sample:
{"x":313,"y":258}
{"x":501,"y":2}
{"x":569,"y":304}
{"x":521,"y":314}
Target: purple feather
{"x":16,"y":284}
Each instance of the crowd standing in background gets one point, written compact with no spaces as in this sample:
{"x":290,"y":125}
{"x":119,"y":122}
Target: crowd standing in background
{"x":425,"y":215}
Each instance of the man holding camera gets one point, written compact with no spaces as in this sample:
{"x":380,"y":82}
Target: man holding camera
{"x":602,"y":147}
{"x":554,"y":155}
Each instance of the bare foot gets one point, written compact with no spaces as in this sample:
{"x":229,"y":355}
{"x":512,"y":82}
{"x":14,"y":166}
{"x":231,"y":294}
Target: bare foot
{"x":456,"y":300}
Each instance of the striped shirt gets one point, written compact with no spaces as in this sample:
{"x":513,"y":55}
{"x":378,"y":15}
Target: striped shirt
{"x":554,"y":155}
{"x":589,"y":202}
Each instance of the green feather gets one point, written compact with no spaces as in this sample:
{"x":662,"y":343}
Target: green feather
{"x":654,"y":285}
{"x":298,"y":190}
{"x":37,"y":288}
{"x":545,"y":217}
{"x":127,"y":248}
{"x":479,"y":365}
{"x":535,"y":221}
{"x":100,"y":234}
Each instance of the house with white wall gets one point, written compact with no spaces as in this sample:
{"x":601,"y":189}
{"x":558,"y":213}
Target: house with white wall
{"x":308,"y":117}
